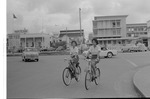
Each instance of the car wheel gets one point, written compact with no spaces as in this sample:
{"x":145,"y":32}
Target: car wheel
{"x":25,"y":60}
{"x":37,"y":60}
{"x":109,"y":54}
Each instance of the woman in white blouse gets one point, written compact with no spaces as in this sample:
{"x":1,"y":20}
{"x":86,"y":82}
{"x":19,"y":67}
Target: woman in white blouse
{"x":94,"y":50}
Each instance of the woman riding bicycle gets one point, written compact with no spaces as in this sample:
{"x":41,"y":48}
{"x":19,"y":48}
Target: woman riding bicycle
{"x":74,"y":54}
{"x":94,"y":50}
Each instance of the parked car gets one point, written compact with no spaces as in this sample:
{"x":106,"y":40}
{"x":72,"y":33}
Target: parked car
{"x":104,"y":52}
{"x":30,"y":54}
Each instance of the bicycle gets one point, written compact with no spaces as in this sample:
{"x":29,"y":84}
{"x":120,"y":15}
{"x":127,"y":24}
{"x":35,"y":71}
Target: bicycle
{"x":89,"y":76}
{"x":69,"y":72}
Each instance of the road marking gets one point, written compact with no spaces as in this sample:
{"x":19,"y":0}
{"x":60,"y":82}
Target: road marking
{"x":132,"y":63}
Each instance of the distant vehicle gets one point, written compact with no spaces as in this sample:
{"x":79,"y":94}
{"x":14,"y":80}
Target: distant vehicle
{"x":142,"y":47}
{"x":127,"y":48}
{"x":134,"y":48}
{"x":30,"y":54}
{"x":104,"y":53}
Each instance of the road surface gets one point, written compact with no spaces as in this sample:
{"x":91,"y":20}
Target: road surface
{"x":43,"y":79}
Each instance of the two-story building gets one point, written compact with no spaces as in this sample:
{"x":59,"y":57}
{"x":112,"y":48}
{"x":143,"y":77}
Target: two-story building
{"x":110,"y":29}
{"x":139,"y":31}
{"x":113,"y":30}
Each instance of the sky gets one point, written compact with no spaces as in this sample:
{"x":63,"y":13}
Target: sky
{"x":51,"y":16}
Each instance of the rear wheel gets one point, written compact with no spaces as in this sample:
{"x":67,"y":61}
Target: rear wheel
{"x":97,"y":79}
{"x":109,"y":54}
{"x":66,"y":77}
{"x":87,"y":80}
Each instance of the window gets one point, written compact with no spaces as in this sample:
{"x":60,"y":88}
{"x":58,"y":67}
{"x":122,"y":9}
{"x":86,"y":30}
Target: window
{"x":145,"y":33}
{"x":118,"y":32}
{"x":114,"y":32}
{"x":129,"y":35}
{"x":114,"y":42}
{"x":114,"y":24}
{"x":109,"y":42}
{"x":118,"y":23}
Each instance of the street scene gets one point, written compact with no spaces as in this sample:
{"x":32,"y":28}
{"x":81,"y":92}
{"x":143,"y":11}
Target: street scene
{"x":78,"y":49}
{"x":43,"y":79}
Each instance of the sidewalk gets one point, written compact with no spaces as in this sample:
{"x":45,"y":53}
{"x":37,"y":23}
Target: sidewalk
{"x":141,"y":81}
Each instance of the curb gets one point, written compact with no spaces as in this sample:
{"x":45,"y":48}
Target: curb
{"x":138,"y":79}
{"x":137,"y":90}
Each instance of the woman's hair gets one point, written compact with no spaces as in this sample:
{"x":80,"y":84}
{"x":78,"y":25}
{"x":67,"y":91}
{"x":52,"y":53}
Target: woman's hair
{"x":95,"y":41}
{"x":74,"y":42}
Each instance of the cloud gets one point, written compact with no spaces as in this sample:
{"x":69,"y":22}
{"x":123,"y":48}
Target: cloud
{"x":59,"y":14}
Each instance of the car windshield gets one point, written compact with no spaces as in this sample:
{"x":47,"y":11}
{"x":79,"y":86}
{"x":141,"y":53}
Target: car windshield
{"x":104,"y":48}
{"x":30,"y":50}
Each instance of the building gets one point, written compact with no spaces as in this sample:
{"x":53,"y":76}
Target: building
{"x":139,"y":31}
{"x":13,"y":41}
{"x":110,"y":29}
{"x":37,"y":40}
{"x":148,"y":32}
{"x":69,"y":35}
{"x":21,"y":39}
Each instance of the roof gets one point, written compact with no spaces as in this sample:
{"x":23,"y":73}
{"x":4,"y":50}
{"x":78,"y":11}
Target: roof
{"x":111,"y":16}
{"x":71,"y":30}
{"x":71,"y":34}
{"x":136,"y":24}
{"x":126,"y":38}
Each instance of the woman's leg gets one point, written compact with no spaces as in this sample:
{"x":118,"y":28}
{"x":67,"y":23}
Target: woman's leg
{"x":93,"y":67}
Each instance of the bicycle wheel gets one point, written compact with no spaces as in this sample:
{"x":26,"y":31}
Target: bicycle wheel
{"x":78,"y":75}
{"x":87,"y":80}
{"x":66,"y":76}
{"x":97,"y":79}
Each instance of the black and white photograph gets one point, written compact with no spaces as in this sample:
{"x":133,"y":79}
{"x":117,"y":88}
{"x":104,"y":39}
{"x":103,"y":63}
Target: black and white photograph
{"x":77,"y":49}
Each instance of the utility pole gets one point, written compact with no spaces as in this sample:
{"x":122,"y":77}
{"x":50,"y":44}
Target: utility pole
{"x":80,"y":20}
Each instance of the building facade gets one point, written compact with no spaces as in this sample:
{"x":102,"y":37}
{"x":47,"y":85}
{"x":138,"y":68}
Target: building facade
{"x":148,"y":32}
{"x":113,"y":30}
{"x":21,"y":39}
{"x":139,"y":31}
{"x":110,"y":29}
{"x":37,"y":40}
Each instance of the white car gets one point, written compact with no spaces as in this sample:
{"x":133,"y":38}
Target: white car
{"x":30,"y":54}
{"x":104,"y":53}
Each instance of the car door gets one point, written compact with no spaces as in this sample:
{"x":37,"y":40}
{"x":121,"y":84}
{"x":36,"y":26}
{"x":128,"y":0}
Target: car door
{"x":103,"y":52}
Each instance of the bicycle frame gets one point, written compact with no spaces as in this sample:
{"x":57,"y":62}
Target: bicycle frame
{"x":90,"y":66}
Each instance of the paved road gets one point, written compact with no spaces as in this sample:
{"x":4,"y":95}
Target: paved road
{"x":43,"y":79}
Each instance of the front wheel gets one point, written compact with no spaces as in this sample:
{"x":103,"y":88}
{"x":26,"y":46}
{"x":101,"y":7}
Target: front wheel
{"x":97,"y":79}
{"x":66,"y":77}
{"x":87,"y":80}
{"x":78,"y":75}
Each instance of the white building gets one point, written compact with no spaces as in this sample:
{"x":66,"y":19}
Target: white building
{"x":148,"y":32}
{"x":37,"y":40}
{"x":110,"y":29}
{"x":22,"y":39}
